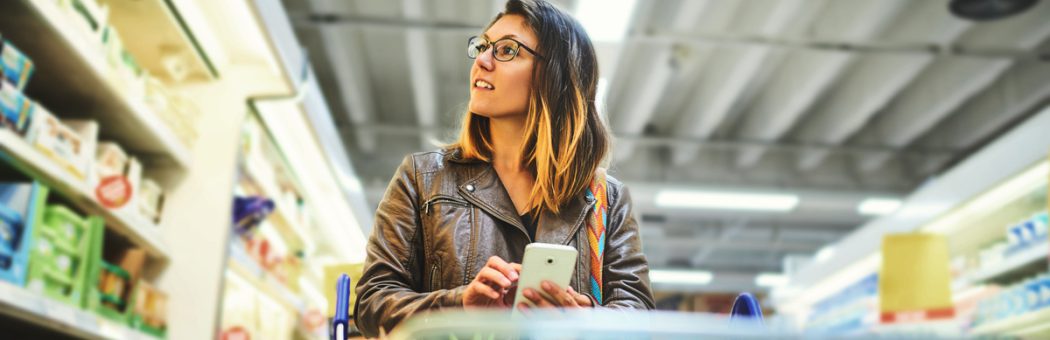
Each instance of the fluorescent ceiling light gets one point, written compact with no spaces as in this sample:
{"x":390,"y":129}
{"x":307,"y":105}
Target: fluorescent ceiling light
{"x":605,"y":20}
{"x":726,"y":200}
{"x":771,"y":280}
{"x":688,"y":277}
{"x":878,"y":206}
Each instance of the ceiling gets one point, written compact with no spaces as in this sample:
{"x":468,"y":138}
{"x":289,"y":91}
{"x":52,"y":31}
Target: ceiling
{"x":835,"y":101}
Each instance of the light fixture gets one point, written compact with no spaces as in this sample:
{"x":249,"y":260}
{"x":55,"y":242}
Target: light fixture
{"x":771,"y":280}
{"x":726,"y":200}
{"x":605,"y":20}
{"x":878,"y":206}
{"x":986,"y":10}
{"x":682,"y":277}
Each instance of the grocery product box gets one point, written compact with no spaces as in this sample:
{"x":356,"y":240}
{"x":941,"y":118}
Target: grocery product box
{"x":62,"y":254}
{"x":16,"y":110}
{"x":20,"y":206}
{"x":16,"y":66}
{"x":70,"y":145}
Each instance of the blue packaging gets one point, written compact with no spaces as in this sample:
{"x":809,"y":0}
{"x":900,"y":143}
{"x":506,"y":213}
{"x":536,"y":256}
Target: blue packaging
{"x":16,"y":110}
{"x":1044,"y":291}
{"x":1030,"y":231}
{"x":16,"y":66}
{"x":18,"y":208}
{"x":1032,"y":300}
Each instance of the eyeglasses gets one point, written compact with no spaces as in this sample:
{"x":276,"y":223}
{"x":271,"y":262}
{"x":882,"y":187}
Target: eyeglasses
{"x":505,"y":49}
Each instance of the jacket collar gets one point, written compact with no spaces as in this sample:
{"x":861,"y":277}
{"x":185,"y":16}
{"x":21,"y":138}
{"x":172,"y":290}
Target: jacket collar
{"x":483,"y":188}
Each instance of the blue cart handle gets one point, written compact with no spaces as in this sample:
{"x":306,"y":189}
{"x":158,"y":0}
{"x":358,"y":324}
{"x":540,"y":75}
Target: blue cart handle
{"x":340,"y":323}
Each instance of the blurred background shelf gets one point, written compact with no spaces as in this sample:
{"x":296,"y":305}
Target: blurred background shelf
{"x":73,"y":80}
{"x":243,"y":266}
{"x":170,"y":50}
{"x":17,"y":302}
{"x":1031,"y":258}
{"x":1031,"y":324}
{"x":15,"y":151}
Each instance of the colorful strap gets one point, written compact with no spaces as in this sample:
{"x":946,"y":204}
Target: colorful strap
{"x":596,"y":223}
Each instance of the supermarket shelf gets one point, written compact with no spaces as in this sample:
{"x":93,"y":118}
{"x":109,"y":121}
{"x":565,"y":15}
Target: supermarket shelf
{"x":247,"y":269}
{"x":17,"y":152}
{"x":1031,"y":323}
{"x":170,"y":39}
{"x":1029,"y":256}
{"x":17,"y":302}
{"x":291,"y":230}
{"x":72,"y":79}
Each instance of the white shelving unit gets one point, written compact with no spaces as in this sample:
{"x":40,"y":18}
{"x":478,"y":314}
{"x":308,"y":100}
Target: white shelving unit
{"x":26,"y":158}
{"x":70,"y":59}
{"x":28,"y":306}
{"x":1031,"y":324}
{"x":1029,"y":255}
{"x":288,"y":227}
{"x":241,"y":264}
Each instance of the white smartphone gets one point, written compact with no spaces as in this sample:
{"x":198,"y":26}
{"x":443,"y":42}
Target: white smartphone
{"x":544,"y":261}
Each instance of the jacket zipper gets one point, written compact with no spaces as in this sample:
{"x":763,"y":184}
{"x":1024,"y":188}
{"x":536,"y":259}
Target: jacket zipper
{"x":433,"y":276}
{"x":443,"y":199}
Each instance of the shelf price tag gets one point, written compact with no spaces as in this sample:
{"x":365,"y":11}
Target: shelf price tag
{"x":113,"y":191}
{"x":26,"y":300}
{"x":111,"y":330}
{"x":60,"y":312}
{"x":5,"y":292}
{"x":87,"y":321}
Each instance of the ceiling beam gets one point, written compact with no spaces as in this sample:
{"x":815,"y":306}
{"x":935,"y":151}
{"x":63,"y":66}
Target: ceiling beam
{"x":870,"y":88}
{"x":934,"y":96}
{"x":1023,"y":89}
{"x":639,"y":106}
{"x":390,"y":129}
{"x":799,"y":82}
{"x":728,"y":233}
{"x":807,"y":76}
{"x":421,"y":71}
{"x":343,"y":47}
{"x":719,"y":94}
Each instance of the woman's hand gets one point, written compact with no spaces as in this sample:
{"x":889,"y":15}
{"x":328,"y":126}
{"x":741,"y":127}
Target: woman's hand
{"x":559,"y":297}
{"x":492,"y":286}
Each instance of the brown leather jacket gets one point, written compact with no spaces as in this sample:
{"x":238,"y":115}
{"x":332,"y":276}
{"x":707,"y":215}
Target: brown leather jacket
{"x":442,"y":217}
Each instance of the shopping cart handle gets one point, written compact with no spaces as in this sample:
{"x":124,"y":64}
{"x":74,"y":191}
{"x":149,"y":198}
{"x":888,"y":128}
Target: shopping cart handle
{"x":746,"y":307}
{"x":340,"y":323}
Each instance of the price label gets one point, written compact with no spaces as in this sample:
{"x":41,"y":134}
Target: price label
{"x":5,"y":292}
{"x":87,"y":322}
{"x":60,"y":312}
{"x":26,"y":300}
{"x":113,"y":191}
{"x":110,"y":330}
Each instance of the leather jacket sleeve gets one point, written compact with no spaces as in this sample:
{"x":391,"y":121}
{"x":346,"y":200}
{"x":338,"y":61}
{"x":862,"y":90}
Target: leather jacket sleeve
{"x":389,"y":289}
{"x":626,"y":268}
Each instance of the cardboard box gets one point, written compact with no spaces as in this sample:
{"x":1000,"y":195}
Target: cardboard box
{"x":16,"y":110}
{"x":17,"y":67}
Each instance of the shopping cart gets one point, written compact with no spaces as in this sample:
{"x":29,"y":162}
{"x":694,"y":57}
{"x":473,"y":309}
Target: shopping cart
{"x":340,"y":328}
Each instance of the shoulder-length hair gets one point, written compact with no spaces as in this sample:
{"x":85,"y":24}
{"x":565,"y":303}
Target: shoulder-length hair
{"x":565,"y":139}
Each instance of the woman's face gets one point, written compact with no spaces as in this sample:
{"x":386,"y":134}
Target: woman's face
{"x":510,"y":81}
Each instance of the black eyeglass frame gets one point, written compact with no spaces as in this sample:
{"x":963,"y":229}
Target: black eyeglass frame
{"x":490,"y":44}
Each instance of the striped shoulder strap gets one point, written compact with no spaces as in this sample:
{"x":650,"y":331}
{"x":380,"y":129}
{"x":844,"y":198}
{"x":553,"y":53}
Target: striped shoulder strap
{"x":596,"y":223}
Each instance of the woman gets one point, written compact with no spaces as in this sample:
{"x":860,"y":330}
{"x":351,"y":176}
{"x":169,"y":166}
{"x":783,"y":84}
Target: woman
{"x":454,"y":223}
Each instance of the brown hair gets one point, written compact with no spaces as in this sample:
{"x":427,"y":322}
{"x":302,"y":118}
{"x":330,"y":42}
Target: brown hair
{"x":565,"y":138}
